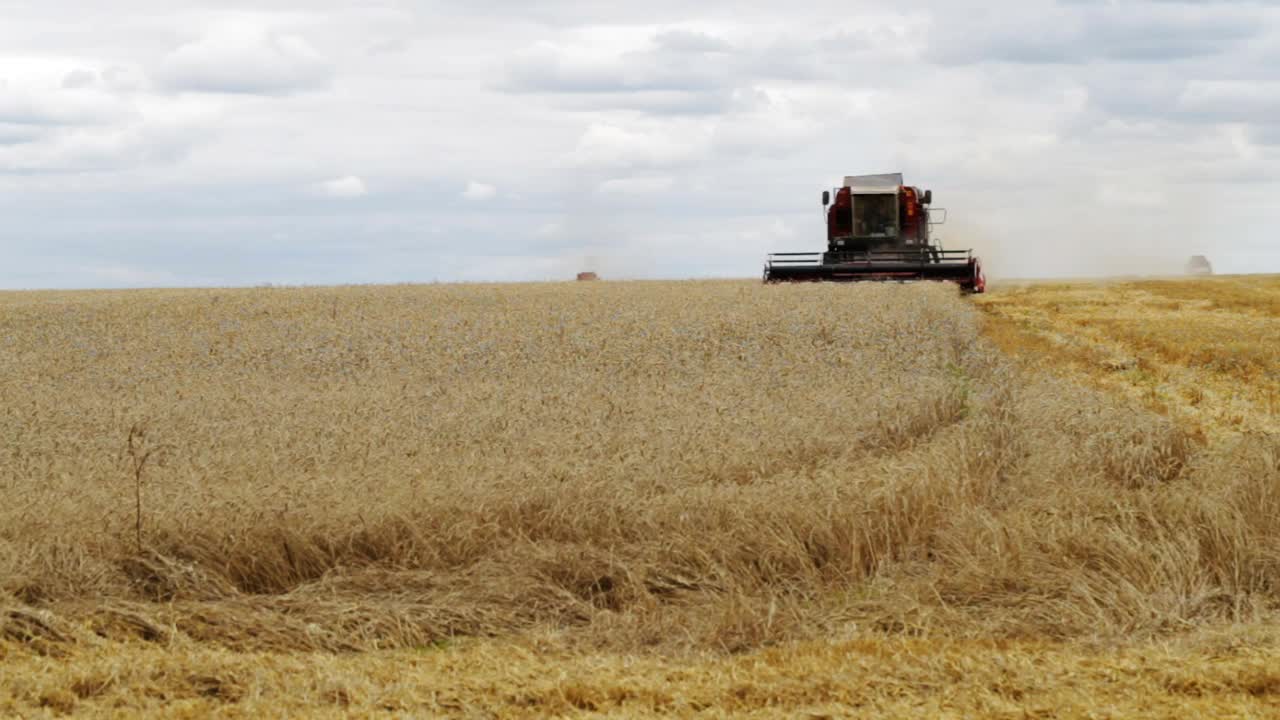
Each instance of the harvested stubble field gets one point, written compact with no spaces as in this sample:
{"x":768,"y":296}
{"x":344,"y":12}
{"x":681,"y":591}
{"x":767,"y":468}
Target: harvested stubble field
{"x":699,"y":498}
{"x":1205,"y":351}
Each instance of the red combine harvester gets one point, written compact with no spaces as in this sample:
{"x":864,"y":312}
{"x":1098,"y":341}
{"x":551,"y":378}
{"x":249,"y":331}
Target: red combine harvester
{"x":878,"y":229}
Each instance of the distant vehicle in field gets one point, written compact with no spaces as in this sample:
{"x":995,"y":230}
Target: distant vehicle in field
{"x":587,"y":276}
{"x":878,"y":229}
{"x":1199,"y":265}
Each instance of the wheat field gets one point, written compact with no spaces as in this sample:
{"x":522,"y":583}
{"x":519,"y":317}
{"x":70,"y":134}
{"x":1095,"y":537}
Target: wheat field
{"x":685,"y":498}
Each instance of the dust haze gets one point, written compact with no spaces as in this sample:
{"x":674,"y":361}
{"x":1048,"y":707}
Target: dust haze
{"x":1108,"y":234}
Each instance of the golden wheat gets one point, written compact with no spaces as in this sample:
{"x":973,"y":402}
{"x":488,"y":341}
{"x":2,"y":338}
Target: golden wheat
{"x":689,"y":467}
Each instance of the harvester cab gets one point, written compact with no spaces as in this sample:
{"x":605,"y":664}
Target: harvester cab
{"x":878,"y":229}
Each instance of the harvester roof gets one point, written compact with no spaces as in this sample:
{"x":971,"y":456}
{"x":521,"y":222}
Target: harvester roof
{"x":882,"y":183}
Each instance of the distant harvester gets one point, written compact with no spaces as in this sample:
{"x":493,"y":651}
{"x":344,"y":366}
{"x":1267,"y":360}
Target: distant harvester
{"x":585,"y":276}
{"x":1199,"y":265}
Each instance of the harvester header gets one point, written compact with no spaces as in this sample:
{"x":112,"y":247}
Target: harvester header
{"x":878,"y":228}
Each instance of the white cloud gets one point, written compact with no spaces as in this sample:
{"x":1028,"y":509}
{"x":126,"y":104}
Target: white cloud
{"x":35,"y":105}
{"x":1080,"y":32}
{"x":636,"y":186}
{"x":552,"y":229}
{"x":80,"y":149}
{"x":246,"y":57}
{"x":80,"y":78}
{"x":479,"y":191}
{"x":343,"y":187}
{"x":690,"y":41}
{"x":124,"y":79}
{"x":18,"y":134}
{"x":1235,"y":99}
{"x":59,"y":120}
{"x":611,"y":146}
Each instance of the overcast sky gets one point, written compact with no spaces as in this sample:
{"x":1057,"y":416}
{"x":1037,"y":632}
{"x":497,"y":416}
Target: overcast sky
{"x":149,"y":142}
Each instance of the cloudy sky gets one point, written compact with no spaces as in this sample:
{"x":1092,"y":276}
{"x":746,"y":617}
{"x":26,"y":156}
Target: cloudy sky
{"x":150,"y":142}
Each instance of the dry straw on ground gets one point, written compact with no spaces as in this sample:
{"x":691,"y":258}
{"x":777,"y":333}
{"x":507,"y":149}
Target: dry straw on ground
{"x":685,"y":467}
{"x":1227,"y":676}
{"x":1205,"y":351}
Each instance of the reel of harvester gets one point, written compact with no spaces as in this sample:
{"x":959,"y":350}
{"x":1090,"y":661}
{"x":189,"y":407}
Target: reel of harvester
{"x":958,"y":266}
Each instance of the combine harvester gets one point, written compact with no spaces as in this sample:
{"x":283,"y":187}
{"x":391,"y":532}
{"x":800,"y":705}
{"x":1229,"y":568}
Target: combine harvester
{"x":878,"y":229}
